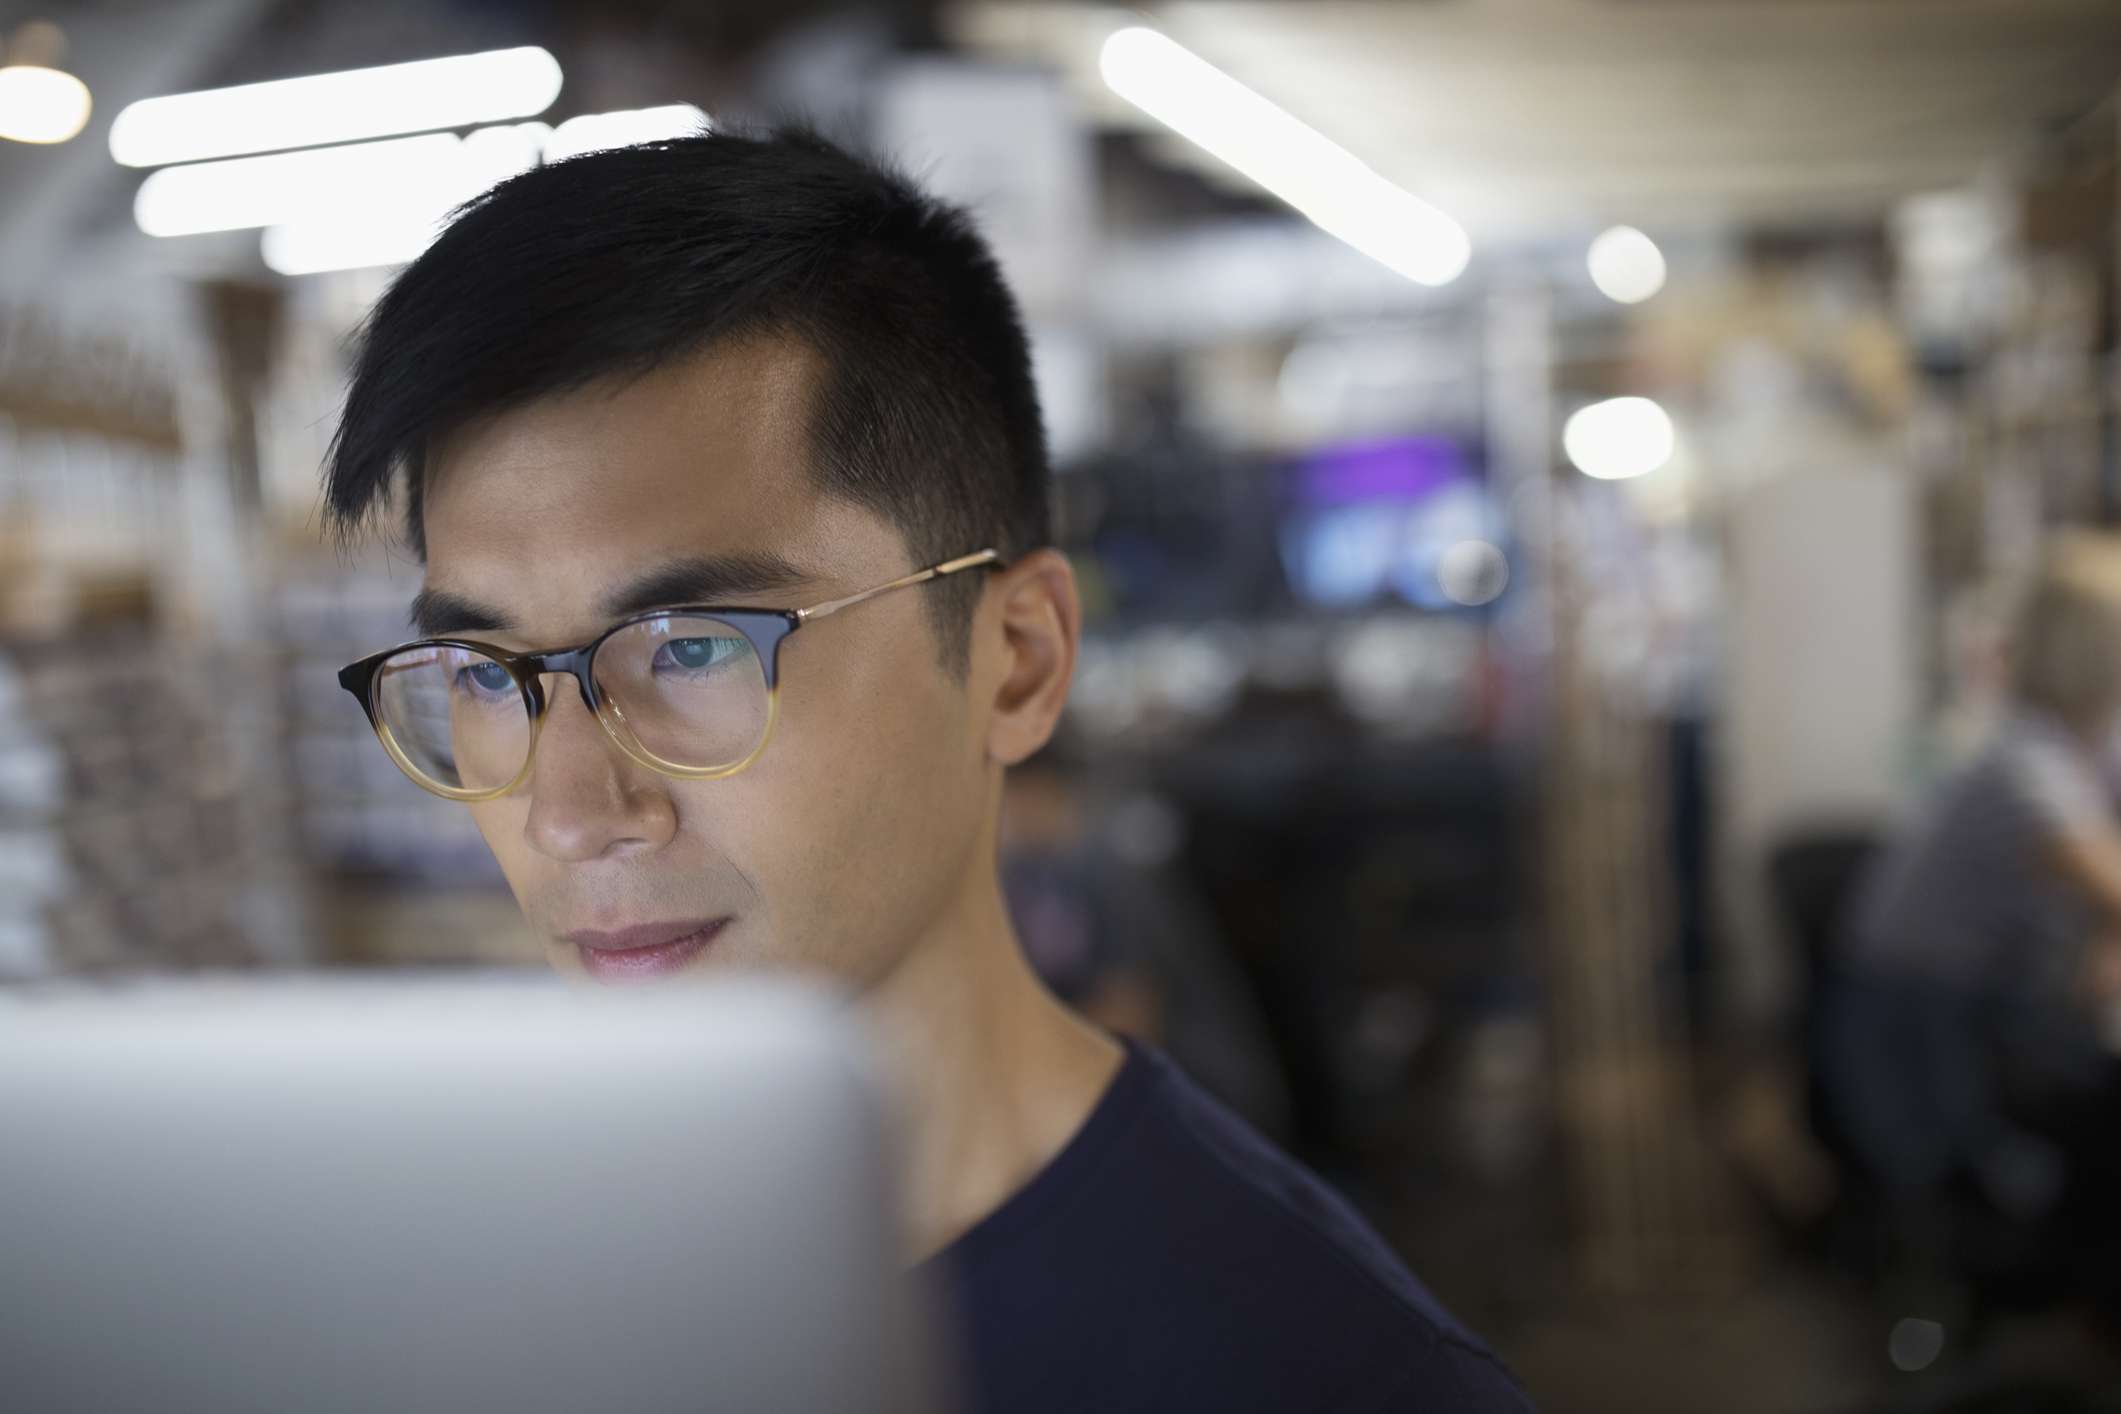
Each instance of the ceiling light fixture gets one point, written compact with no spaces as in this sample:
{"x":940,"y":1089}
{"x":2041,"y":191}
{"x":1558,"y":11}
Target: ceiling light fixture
{"x":417,"y":97}
{"x":1321,"y":179}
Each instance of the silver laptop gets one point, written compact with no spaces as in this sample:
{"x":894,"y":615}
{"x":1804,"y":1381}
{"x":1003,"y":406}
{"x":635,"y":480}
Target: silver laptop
{"x":398,"y":1196}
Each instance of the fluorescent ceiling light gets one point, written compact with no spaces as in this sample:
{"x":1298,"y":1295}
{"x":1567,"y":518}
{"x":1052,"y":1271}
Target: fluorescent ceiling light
{"x":315,"y":247}
{"x":262,"y":191}
{"x":41,"y":105}
{"x":420,"y":177}
{"x":373,"y":203}
{"x":397,"y":211}
{"x":394,"y":232}
{"x":333,"y":108}
{"x":593,"y":132}
{"x":1294,"y":161}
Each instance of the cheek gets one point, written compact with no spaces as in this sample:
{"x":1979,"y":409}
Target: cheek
{"x":859,"y":829}
{"x":500,"y":824}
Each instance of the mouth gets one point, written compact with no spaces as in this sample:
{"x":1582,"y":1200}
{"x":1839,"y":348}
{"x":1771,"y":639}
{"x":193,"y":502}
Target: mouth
{"x":645,"y":952}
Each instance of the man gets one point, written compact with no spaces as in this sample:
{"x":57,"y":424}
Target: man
{"x":630,"y":390}
{"x":1961,"y":1039}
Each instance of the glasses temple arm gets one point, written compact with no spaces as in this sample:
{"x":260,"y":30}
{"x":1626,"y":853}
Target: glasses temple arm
{"x":963,"y":562}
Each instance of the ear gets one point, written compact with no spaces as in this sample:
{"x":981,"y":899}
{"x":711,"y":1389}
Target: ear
{"x":1041,"y":621}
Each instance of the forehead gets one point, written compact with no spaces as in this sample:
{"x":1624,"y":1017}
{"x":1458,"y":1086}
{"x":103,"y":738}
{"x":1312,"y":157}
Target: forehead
{"x":541,"y":505}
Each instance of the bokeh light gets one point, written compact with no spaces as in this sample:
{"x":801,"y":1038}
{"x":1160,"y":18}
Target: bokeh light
{"x":1626,"y":265}
{"x":41,"y":105}
{"x":1618,"y":438}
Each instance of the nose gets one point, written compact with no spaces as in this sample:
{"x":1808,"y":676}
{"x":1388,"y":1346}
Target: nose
{"x":588,"y":799}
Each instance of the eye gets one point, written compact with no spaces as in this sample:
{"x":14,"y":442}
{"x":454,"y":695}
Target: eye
{"x":694,"y":655}
{"x":485,"y":678}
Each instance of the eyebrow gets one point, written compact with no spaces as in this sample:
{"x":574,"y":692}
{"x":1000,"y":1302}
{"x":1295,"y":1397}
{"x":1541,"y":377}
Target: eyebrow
{"x":705,"y":579}
{"x":701,"y":579}
{"x":436,"y":612}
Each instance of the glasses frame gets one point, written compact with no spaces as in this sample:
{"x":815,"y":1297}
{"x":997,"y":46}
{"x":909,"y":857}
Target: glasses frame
{"x":765,"y":629}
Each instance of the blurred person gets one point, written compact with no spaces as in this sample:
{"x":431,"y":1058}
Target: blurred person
{"x":1963,"y":1037}
{"x":1118,"y":937}
{"x":631,"y":389}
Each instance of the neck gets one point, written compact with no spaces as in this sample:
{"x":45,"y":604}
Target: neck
{"x":993,"y":1076}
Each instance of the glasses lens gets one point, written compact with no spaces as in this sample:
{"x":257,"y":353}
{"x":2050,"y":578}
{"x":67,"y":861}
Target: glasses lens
{"x":457,"y":716}
{"x":689,"y":691}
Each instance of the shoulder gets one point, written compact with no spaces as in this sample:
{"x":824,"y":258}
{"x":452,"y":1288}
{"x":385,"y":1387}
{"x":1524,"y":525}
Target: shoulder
{"x":2048,"y":774}
{"x":1263,"y":1218}
{"x":1171,"y":1258}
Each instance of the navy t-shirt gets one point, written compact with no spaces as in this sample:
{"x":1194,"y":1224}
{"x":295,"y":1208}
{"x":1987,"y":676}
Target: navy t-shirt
{"x":1170,"y":1259}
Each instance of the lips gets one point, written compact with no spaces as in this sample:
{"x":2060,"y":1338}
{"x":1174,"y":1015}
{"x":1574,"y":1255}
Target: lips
{"x":644,"y":952}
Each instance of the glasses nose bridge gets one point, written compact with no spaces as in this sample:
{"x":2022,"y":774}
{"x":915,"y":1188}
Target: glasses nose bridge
{"x":574,"y":663}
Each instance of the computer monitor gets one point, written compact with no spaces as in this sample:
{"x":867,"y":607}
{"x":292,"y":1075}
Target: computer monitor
{"x":390,"y":1196}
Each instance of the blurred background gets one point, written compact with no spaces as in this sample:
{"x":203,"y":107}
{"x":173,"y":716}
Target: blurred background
{"x":1547,"y":476}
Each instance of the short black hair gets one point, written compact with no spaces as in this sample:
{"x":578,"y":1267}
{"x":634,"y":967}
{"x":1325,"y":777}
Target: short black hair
{"x":615,"y":263}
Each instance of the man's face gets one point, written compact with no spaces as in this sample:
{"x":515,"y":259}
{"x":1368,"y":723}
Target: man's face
{"x":865,"y":821}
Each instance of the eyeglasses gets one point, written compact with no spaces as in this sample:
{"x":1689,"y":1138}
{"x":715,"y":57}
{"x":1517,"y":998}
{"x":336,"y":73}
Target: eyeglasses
{"x":691,"y":691}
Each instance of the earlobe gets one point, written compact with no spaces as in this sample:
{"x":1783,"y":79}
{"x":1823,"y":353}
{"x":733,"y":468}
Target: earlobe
{"x":1041,"y":628}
